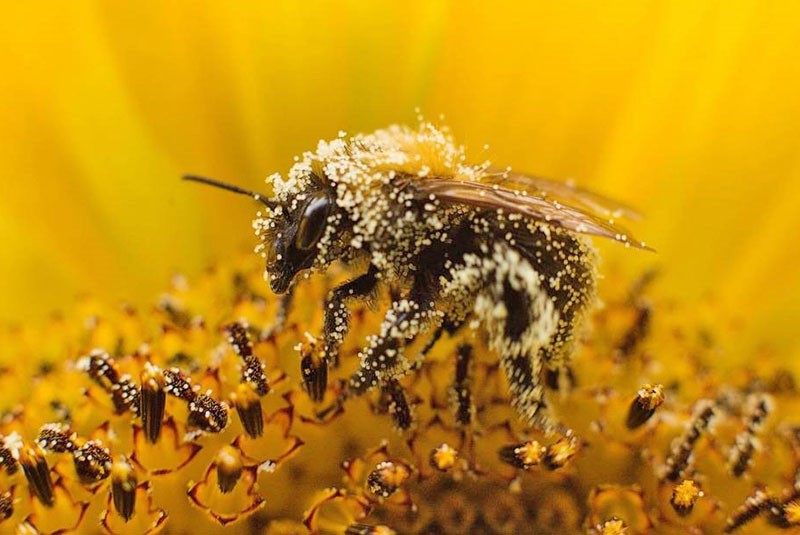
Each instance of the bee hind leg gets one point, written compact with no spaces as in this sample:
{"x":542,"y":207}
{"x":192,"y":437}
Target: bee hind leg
{"x":520,"y":319}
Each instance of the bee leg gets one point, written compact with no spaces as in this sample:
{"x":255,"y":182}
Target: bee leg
{"x":383,"y":358}
{"x":560,"y":378}
{"x":448,"y":326}
{"x":281,"y":314}
{"x":460,"y":393}
{"x":527,"y":393}
{"x":520,"y":319}
{"x":337,"y":316}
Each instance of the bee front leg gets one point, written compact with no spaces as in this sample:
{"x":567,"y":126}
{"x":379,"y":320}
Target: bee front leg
{"x":448,"y":326}
{"x":337,"y":316}
{"x":281,"y":314}
{"x":314,"y":367}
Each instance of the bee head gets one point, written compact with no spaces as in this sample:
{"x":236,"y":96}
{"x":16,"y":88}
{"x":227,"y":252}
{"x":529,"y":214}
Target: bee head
{"x":296,"y":229}
{"x":292,"y":229}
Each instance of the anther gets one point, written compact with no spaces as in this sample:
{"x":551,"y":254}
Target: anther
{"x":6,"y":506}
{"x":37,"y":473}
{"x":460,"y":392}
{"x":7,"y":461}
{"x":746,"y":442}
{"x":753,"y":506}
{"x":248,"y":407}
{"x":123,"y":488}
{"x":315,"y":374}
{"x":253,"y":369}
{"x":387,"y":478}
{"x":178,"y":385}
{"x":208,"y":414}
{"x":560,"y":452}
{"x":443,"y":457}
{"x":229,"y":468}
{"x":648,"y":399}
{"x":398,"y":405}
{"x":524,"y":456}
{"x":102,"y":370}
{"x":154,"y":402}
{"x":681,"y":453}
{"x":92,"y":462}
{"x":639,"y":330}
{"x":685,"y":496}
{"x":56,"y":438}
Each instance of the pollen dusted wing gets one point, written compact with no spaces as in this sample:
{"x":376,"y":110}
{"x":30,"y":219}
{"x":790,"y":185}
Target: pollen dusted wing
{"x":494,"y":196}
{"x":563,"y":192}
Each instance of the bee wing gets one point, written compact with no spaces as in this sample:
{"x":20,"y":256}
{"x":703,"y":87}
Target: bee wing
{"x":565,"y":192}
{"x":494,"y":197}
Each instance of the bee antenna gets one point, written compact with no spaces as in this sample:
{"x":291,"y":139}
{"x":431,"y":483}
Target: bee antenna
{"x":230,"y":187}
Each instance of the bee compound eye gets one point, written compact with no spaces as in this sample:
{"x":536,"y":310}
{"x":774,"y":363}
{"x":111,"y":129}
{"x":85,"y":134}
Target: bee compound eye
{"x":313,"y":221}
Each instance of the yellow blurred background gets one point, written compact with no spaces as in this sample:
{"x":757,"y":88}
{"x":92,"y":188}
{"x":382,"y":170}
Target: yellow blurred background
{"x":688,"y":110}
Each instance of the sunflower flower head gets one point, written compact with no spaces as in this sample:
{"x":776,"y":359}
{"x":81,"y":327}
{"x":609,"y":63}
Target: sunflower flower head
{"x":206,"y":411}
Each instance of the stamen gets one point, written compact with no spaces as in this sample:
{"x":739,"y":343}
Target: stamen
{"x":6,"y":506}
{"x":398,"y":405}
{"x":178,"y":385}
{"x":443,"y":457}
{"x":561,"y":452}
{"x":253,"y":369}
{"x":56,"y":438}
{"x":248,"y":407}
{"x":523,"y":456}
{"x":614,"y":526}
{"x":229,"y":468}
{"x":387,"y":478}
{"x":102,"y":369}
{"x":92,"y":462}
{"x":460,"y":392}
{"x":639,"y":329}
{"x":154,"y":402}
{"x":680,"y":456}
{"x":123,"y":488}
{"x":314,"y":369}
{"x":684,"y":496}
{"x":7,"y":461}
{"x":648,"y":399}
{"x":37,"y":473}
{"x":746,"y":442}
{"x":208,"y":414}
{"x":752,"y":507}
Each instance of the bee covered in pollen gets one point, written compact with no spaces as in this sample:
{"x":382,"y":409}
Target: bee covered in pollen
{"x":458,"y":244}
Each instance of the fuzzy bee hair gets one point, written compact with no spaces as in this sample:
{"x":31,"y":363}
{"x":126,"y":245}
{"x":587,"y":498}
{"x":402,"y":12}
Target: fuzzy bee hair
{"x":462,"y":244}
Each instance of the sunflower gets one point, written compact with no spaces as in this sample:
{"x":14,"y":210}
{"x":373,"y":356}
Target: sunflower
{"x":140,"y":415}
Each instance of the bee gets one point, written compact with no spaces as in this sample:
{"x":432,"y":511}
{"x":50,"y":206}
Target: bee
{"x":505,"y":253}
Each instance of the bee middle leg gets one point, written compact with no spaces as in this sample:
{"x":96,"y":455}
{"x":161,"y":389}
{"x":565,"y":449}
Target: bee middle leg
{"x":383,"y":358}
